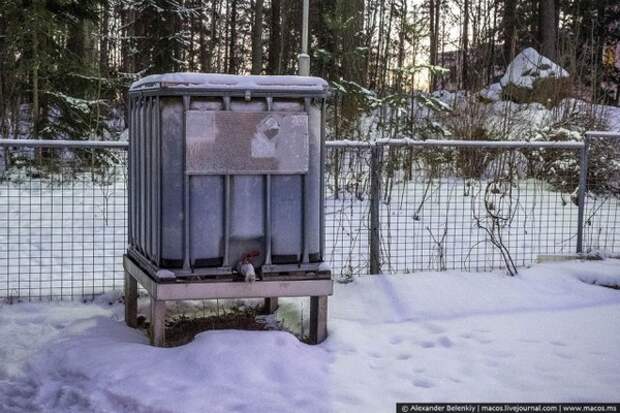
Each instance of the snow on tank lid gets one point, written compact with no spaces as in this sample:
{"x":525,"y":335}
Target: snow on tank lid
{"x":222,"y":82}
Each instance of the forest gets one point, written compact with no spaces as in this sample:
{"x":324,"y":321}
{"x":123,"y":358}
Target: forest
{"x":65,"y":65}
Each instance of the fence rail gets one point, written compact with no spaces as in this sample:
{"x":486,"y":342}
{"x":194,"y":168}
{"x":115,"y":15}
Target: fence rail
{"x":391,"y":206}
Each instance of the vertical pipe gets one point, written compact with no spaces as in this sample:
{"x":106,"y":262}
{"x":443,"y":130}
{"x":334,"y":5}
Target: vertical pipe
{"x":375,"y":191}
{"x":304,"y":38}
{"x":583,"y":188}
{"x":186,"y":194}
{"x":303,"y":58}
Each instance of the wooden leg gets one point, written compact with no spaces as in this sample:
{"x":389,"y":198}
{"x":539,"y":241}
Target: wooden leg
{"x":158,"y":318}
{"x":131,"y":301}
{"x":318,"y":319}
{"x":271,"y":305}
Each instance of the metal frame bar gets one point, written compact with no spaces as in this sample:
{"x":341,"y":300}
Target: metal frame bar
{"x":148,"y":154}
{"x":292,"y":93}
{"x":305,"y":213}
{"x":603,"y":134}
{"x":130,"y":179}
{"x":454,"y":143}
{"x":59,"y":143}
{"x":198,"y":290}
{"x":142,"y":180}
{"x":322,"y":185}
{"x":583,"y":189}
{"x":186,"y":192}
{"x":158,"y":188}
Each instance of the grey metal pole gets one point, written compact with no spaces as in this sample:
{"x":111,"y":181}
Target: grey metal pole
{"x":304,"y":58}
{"x":583,"y":188}
{"x":376,"y":155}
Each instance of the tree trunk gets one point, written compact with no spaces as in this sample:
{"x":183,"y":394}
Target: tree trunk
{"x":433,"y":44}
{"x":232,"y":41}
{"x":35,"y":72}
{"x":548,"y":29}
{"x":275,"y":39}
{"x":326,"y":41}
{"x":509,"y":33}
{"x":257,"y":38}
{"x":465,"y":62}
{"x":434,"y":13}
{"x":128,"y":15}
{"x":103,"y":45}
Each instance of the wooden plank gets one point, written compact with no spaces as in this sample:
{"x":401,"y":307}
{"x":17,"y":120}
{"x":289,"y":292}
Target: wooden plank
{"x":131,"y":301}
{"x":258,"y":289}
{"x":158,"y":319}
{"x":318,"y":319}
{"x":271,"y":305}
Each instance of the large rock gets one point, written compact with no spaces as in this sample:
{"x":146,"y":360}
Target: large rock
{"x":531,"y":77}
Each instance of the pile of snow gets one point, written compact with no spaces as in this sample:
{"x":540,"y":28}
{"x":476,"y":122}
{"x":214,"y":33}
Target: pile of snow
{"x":542,"y":335}
{"x":530,"y":77}
{"x":451,"y":99}
{"x":492,"y":93}
{"x":528,"y":67}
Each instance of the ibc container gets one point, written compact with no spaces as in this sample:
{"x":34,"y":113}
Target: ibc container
{"x":222,"y":166}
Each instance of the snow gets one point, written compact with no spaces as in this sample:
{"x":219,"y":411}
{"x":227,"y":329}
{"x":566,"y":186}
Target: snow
{"x":540,"y":336}
{"x":450,"y":99}
{"x":492,"y":93}
{"x":223,"y":82}
{"x":612,"y":115}
{"x":529,"y":66}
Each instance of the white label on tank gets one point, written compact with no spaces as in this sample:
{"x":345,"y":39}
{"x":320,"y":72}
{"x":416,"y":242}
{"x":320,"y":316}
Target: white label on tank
{"x":247,"y":143}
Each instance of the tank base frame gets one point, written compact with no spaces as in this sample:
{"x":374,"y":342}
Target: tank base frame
{"x":317,"y":285}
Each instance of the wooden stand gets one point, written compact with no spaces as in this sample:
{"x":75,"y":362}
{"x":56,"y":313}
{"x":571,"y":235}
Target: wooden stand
{"x":159,"y":292}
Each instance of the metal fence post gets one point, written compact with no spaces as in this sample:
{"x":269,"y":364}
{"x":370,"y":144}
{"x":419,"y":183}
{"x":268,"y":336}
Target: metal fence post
{"x":376,"y":155}
{"x":583,"y":188}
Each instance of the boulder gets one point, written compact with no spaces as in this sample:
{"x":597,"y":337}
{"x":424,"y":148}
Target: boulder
{"x":531,"y":77}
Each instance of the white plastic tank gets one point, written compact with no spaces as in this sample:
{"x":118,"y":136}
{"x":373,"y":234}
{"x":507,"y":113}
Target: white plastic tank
{"x":222,"y":166}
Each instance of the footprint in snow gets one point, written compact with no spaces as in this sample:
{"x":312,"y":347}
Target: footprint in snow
{"x":425,"y":384}
{"x":396,"y":340}
{"x":435,"y":329}
{"x":445,"y":342}
{"x":427,"y":344}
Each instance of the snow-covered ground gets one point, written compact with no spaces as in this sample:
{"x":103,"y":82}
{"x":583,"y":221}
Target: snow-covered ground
{"x":547,"y":334}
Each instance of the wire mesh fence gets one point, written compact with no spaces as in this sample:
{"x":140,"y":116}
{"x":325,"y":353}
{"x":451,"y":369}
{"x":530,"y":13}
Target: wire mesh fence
{"x":62,"y":221}
{"x":602,"y":203}
{"x":475,"y":206}
{"x":392,"y":206}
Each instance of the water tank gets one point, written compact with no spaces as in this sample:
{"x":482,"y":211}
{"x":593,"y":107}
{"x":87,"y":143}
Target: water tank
{"x":222,"y":167}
